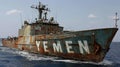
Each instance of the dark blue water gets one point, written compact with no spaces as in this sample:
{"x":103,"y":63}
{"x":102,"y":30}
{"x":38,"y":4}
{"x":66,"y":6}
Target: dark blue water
{"x":15,"y":58}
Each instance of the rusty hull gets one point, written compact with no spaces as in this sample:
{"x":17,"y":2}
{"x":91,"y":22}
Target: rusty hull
{"x":97,"y":43}
{"x":10,"y":42}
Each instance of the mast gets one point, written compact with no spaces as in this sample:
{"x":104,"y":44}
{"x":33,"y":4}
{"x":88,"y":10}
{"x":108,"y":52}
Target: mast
{"x":41,"y":8}
{"x":116,"y":19}
{"x":45,"y":15}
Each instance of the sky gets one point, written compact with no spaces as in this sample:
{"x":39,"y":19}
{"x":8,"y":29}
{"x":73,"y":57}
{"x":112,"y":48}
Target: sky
{"x":71,"y":14}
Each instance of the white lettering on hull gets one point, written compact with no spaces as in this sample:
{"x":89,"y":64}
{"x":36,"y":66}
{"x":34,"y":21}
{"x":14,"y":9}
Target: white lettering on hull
{"x":57,"y":47}
{"x":83,"y":46}
{"x":68,"y":47}
{"x":38,"y":44}
{"x":45,"y":46}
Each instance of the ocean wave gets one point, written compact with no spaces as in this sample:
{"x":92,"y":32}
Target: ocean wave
{"x":32,"y":57}
{"x":104,"y":62}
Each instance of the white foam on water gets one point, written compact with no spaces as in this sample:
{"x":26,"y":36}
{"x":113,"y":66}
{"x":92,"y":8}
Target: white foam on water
{"x":29,"y":56}
{"x":5,"y":49}
{"x":68,"y":61}
{"x":106,"y":62}
{"x":32,"y":56}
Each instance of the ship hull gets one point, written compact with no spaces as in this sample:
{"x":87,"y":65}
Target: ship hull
{"x":89,"y":45}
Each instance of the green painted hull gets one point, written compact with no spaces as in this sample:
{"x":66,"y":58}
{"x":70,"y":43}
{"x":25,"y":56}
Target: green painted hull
{"x":89,"y":45}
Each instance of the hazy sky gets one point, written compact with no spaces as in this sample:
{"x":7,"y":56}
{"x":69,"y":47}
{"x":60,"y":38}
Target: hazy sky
{"x":71,"y":14}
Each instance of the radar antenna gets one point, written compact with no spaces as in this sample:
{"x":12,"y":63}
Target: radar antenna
{"x":40,"y":9}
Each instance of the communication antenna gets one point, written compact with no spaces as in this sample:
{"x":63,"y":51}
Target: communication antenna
{"x":21,"y":19}
{"x":116,"y":19}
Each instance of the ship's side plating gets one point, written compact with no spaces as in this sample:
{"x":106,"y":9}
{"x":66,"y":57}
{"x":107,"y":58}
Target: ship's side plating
{"x":89,"y":45}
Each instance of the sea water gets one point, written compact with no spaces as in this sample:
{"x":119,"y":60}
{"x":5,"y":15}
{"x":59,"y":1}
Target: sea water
{"x":15,"y":58}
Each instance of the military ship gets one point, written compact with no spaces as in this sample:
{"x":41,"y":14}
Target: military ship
{"x":47,"y":37}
